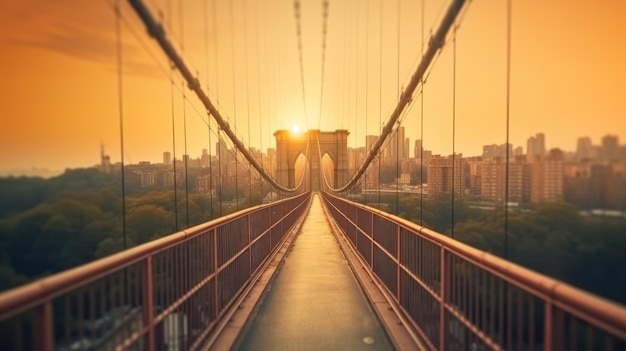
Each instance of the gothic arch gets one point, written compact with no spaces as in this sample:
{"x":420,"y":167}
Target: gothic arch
{"x":289,"y":146}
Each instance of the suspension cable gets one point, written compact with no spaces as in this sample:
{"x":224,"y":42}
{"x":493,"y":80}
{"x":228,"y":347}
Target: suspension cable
{"x":367,"y":69}
{"x":435,"y":44}
{"x":324,"y":31}
{"x":508,"y":114}
{"x":453,"y":129}
{"x":206,"y":59}
{"x":232,"y":52}
{"x":156,"y":30}
{"x":422,"y":126}
{"x":297,"y":13}
{"x":174,"y":147}
{"x":186,"y":156}
{"x":245,"y":45}
{"x":120,"y":101}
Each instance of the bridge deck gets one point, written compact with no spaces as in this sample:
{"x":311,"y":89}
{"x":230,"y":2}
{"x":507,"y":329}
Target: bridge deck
{"x":314,"y":301}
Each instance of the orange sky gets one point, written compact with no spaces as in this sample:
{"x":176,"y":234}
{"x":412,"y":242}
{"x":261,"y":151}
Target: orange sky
{"x":59,"y":91}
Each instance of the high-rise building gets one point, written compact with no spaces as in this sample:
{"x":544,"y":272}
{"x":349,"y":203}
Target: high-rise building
{"x":446,"y":174}
{"x":417,"y":149}
{"x":535,"y":147}
{"x":395,"y":148}
{"x":167,"y":158}
{"x":205,"y":160}
{"x":609,"y":151}
{"x":406,"y":149}
{"x":493,"y":180}
{"x":546,"y":178}
{"x":584,"y":148}
{"x":494,"y":150}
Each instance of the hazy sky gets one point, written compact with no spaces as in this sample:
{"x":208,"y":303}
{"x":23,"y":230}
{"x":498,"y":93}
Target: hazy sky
{"x":60,"y":96}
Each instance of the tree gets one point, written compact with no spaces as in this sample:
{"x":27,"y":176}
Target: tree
{"x":145,"y":222}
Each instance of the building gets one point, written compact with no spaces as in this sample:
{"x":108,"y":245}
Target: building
{"x":167,"y":158}
{"x":493,"y":180}
{"x":446,"y":175}
{"x":417,"y":149}
{"x":609,"y":150}
{"x":535,"y":147}
{"x":546,"y":178}
{"x":584,"y":149}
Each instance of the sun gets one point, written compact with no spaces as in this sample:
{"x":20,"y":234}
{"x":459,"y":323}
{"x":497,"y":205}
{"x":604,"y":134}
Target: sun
{"x":295,"y":129}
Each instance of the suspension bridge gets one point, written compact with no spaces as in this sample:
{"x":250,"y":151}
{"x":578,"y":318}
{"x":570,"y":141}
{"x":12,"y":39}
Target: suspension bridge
{"x":313,"y":269}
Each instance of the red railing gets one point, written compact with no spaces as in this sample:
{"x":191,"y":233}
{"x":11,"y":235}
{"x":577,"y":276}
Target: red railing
{"x":456,"y":297}
{"x":169,"y":293}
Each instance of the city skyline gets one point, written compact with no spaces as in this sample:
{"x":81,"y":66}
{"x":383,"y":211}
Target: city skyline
{"x":60,"y":96}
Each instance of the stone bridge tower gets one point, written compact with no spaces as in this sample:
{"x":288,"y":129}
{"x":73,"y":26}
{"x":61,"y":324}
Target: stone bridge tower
{"x":289,"y":146}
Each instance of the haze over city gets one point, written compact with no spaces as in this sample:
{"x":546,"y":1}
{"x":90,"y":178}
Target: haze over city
{"x":60,"y":86}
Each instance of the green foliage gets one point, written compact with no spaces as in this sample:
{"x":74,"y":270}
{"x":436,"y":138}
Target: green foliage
{"x":551,"y":238}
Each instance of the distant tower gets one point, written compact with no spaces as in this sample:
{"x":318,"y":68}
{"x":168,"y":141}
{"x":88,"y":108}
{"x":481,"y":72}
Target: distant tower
{"x":610,"y":147}
{"x":536,"y":147}
{"x":167,"y":158}
{"x":105,"y":160}
{"x":417,"y":149}
{"x":584,"y":148}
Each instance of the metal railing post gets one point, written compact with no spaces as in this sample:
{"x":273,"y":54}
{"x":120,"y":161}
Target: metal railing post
{"x":43,"y":333}
{"x":216,"y":298}
{"x":148,"y":303}
{"x":444,"y":288}
{"x":398,"y":263}
{"x":548,"y":326}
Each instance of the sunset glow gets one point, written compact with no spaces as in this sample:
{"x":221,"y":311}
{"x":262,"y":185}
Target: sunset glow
{"x":60,"y":93}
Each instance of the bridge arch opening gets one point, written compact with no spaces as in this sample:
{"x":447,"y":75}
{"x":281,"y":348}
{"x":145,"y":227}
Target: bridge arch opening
{"x":312,"y":143}
{"x":328,"y":171}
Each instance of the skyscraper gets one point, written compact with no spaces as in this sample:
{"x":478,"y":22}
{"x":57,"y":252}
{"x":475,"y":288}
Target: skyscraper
{"x":446,"y":174}
{"x":546,"y":178}
{"x":535,"y":147}
{"x":417,"y":149}
{"x":167,"y":158}
{"x":584,"y":148}
{"x":609,"y":150}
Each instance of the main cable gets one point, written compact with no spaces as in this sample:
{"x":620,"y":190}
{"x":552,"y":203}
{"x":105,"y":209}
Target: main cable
{"x":158,"y":33}
{"x":435,"y":44}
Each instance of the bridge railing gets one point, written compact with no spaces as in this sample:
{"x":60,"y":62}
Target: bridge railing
{"x":456,"y":297}
{"x":169,"y":293}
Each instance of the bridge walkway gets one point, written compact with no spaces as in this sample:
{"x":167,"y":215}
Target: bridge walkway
{"x":314,"y":301}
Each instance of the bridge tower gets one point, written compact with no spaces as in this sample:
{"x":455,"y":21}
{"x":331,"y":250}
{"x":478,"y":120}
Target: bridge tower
{"x":289,"y":146}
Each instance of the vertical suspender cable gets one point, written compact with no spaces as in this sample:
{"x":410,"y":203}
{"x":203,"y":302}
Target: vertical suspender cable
{"x":258,"y":72}
{"x":206,"y":59}
{"x":217,"y":100}
{"x":367,"y":68}
{"x":380,"y":86}
{"x":454,"y":170}
{"x":245,"y":41}
{"x":324,"y":31}
{"x":356,"y":84}
{"x":398,"y":141}
{"x":232,"y":52}
{"x":219,"y":166}
{"x":120,"y":101}
{"x":297,"y":11}
{"x":422,"y":128}
{"x":174,"y":149}
{"x":186,"y":156}
{"x":508,"y":109}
